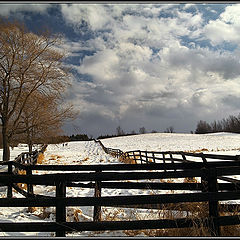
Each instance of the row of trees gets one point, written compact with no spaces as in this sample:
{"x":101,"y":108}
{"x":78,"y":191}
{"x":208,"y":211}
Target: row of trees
{"x":32,"y":83}
{"x":142,"y":130}
{"x":229,"y":124}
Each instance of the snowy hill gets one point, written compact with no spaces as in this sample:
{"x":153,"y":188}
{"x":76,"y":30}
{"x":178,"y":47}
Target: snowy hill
{"x":176,"y":142}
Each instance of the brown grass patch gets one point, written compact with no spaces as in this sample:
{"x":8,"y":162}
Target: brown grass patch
{"x":40,"y":158}
{"x":32,"y":209}
{"x":23,"y":186}
{"x":44,"y":214}
{"x":198,"y":150}
{"x":53,"y":157}
{"x":126,"y":160}
{"x":85,"y":159}
{"x":75,"y":214}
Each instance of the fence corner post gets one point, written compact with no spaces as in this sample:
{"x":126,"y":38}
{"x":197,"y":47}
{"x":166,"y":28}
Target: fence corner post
{"x":60,"y":206}
{"x":9,"y":190}
{"x":29,"y":186}
{"x":97,"y":209}
{"x":213,"y":205}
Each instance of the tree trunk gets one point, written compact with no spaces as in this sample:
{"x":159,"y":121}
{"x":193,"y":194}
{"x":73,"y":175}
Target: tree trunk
{"x":30,"y":147}
{"x":6,"y":149}
{"x":29,"y":138}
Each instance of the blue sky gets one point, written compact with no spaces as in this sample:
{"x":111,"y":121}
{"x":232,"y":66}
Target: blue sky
{"x":152,"y":65}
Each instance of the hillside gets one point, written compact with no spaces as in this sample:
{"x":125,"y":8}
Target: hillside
{"x":176,"y":142}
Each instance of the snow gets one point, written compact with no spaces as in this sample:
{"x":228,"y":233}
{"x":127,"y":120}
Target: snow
{"x":176,"y":142}
{"x":89,"y":152}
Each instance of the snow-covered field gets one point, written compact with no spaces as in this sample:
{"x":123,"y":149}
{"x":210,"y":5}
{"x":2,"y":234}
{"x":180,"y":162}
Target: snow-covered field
{"x":214,"y":142}
{"x":91,"y":153}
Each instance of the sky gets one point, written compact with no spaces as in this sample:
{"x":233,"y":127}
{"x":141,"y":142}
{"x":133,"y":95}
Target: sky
{"x":144,"y":65}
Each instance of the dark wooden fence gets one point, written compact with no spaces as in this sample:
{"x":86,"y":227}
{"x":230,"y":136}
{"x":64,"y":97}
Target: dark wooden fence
{"x":118,"y":176}
{"x":112,"y":151}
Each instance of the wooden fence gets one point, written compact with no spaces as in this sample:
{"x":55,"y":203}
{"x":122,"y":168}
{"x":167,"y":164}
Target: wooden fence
{"x":123,"y":176}
{"x":112,"y":151}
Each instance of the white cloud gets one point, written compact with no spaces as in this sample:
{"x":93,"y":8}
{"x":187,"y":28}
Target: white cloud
{"x":141,"y":68}
{"x":95,"y":14}
{"x":226,"y":27}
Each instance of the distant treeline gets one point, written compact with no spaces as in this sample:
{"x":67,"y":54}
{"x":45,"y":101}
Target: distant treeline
{"x":79,"y":137}
{"x":115,"y":135}
{"x":230,"y":124}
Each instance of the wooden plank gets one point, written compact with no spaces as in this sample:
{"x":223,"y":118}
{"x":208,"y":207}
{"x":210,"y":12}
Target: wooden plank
{"x":26,"y":194}
{"x":222,"y":171}
{"x":142,"y":185}
{"x":19,"y":165}
{"x":106,"y":167}
{"x":119,"y":200}
{"x":115,"y":225}
{"x":159,"y":186}
{"x":232,"y":180}
{"x":47,"y":179}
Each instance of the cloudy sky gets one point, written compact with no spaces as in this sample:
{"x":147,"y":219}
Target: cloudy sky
{"x":152,"y":65}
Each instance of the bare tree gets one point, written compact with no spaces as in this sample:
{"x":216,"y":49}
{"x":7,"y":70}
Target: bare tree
{"x":28,"y":63}
{"x":120,"y":132}
{"x":203,"y":127}
{"x":169,"y":130}
{"x":142,"y":130}
{"x":42,"y":118}
{"x":133,"y":132}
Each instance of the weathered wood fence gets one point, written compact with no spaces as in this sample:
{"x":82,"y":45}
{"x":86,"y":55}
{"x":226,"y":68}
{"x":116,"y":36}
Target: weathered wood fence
{"x":118,"y":176}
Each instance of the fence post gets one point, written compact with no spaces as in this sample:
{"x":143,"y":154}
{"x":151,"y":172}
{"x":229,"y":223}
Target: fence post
{"x":153,"y":155}
{"x":97,"y":209}
{"x":204,"y":180}
{"x":60,"y":206}
{"x":184,"y":157}
{"x":29,"y":186}
{"x":140,"y":155}
{"x":9,"y":190}
{"x":213,"y":205}
{"x":172,"y":161}
{"x":164,"y":162}
{"x":134,"y":156}
{"x":146,"y":157}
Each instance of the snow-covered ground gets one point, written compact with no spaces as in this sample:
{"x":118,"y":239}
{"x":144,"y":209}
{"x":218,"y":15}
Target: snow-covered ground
{"x":214,"y":142}
{"x":91,"y":153}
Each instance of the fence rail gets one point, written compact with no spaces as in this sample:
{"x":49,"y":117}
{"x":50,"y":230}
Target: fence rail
{"x":100,"y":177}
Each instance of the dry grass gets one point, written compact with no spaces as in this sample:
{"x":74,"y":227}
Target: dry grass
{"x":76,"y":214}
{"x":45,"y":213}
{"x":85,"y":159}
{"x":198,"y":150}
{"x":127,"y":160}
{"x":195,"y":210}
{"x":40,"y":158}
{"x":23,"y":186}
